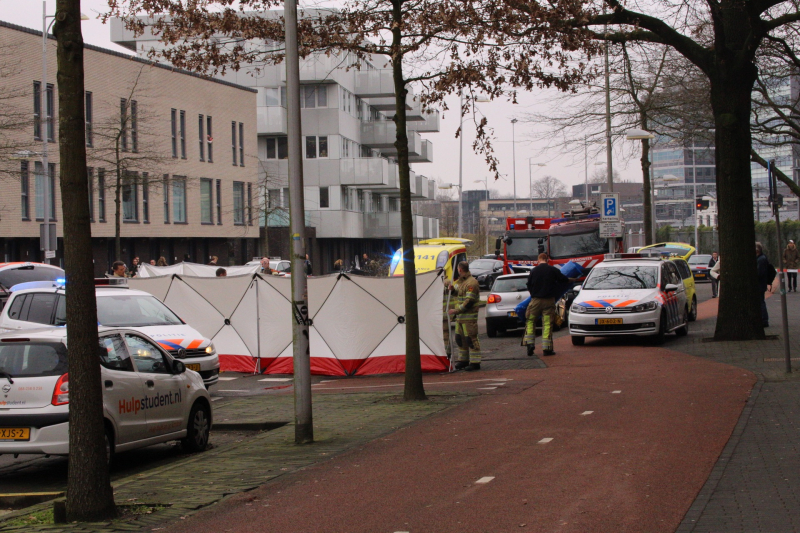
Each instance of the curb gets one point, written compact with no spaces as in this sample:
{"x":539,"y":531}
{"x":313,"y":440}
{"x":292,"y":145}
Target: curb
{"x":697,"y":508}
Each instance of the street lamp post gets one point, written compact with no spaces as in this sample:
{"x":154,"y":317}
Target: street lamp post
{"x":514,"y":159}
{"x":530,"y":180}
{"x":645,"y":136}
{"x":447,"y":186}
{"x":460,"y":156}
{"x":485,"y":182}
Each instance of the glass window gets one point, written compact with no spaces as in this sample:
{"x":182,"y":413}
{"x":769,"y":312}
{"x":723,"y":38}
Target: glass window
{"x":61,"y":311}
{"x":323,"y":146}
{"x":233,"y":141}
{"x":101,"y":194}
{"x":165,"y":191}
{"x":309,"y":96}
{"x":24,"y":182}
{"x":134,"y":126}
{"x":622,"y":277}
{"x":311,"y":147}
{"x":322,"y":96}
{"x":26,"y":360}
{"x":40,"y":188}
{"x":37,"y":110}
{"x":324,"y":200}
{"x":123,"y":124}
{"x":511,"y":285}
{"x":51,"y":124}
{"x":90,"y":182}
{"x":219,"y":202}
{"x":241,"y":144}
{"x":183,"y":134}
{"x":147,"y":357}
{"x":273,"y":97}
{"x":113,"y":354}
{"x":525,"y":248}
{"x":577,"y":245}
{"x":238,"y":203}
{"x":683,"y":269}
{"x":178,"y":200}
{"x":209,"y":140}
{"x":201,"y":138}
{"x":15,"y":310}
{"x":145,"y":198}
{"x":283,"y":148}
{"x":41,"y":308}
{"x":130,"y":202}
{"x":174,"y":130}
{"x":275,"y":198}
{"x":272,"y":148}
{"x":134,"y":311}
{"x":249,"y":204}
{"x":206,"y":214}
{"x":89,"y":114}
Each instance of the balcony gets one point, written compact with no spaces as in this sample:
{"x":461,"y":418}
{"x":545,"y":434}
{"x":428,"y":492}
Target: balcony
{"x":363,"y":172}
{"x":271,"y":120}
{"x":428,"y":124}
{"x":425,"y":155}
{"x":382,"y":135}
{"x":387,"y":226}
{"x":375,"y":84}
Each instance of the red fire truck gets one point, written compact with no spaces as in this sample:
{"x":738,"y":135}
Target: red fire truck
{"x":573,"y":237}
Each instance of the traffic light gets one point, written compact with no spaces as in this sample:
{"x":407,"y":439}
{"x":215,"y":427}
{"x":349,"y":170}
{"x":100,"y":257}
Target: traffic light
{"x":701,"y":203}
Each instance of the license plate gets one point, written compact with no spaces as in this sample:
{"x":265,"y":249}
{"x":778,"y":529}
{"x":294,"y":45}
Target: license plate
{"x":512,"y":313}
{"x":699,"y":275}
{"x":194,"y":367}
{"x":608,"y":321}
{"x":15,"y":433}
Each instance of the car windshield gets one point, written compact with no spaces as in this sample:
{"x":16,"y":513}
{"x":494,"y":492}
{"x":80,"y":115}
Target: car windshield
{"x":30,"y":359}
{"x":482,"y":264}
{"x":134,"y":311}
{"x":699,"y":259}
{"x":24,"y":273}
{"x":622,"y":277}
{"x":562,"y":246}
{"x":524,"y":248}
{"x":671,"y":250}
{"x":510,"y":285}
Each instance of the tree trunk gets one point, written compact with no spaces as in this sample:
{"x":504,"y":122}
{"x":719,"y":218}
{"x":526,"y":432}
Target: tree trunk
{"x":263,"y":232}
{"x":739,"y":307}
{"x":414,"y":389}
{"x":117,"y":205}
{"x":647,"y":205}
{"x":89,"y":493}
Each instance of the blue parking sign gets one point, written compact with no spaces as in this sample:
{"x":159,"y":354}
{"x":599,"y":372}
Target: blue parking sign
{"x":610,"y":207}
{"x":609,"y":202}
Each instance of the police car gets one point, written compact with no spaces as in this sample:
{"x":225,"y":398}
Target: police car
{"x":630,"y":294}
{"x":37,"y":304}
{"x":148,"y":397}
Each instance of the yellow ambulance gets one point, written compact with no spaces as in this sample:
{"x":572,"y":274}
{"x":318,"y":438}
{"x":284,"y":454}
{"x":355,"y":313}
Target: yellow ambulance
{"x":433,"y":254}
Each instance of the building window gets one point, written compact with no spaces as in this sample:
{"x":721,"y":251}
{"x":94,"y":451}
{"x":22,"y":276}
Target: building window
{"x":219,"y":202}
{"x":316,"y":147}
{"x":101,"y":194}
{"x":233,"y":141}
{"x":183,"y":134}
{"x":238,"y":203}
{"x":249,"y":204}
{"x":285,"y":201}
{"x":179,"y":200}
{"x":312,"y":96}
{"x":274,"y":198}
{"x":89,"y":114}
{"x":90,"y":181}
{"x":130,"y":200}
{"x":206,"y":212}
{"x":201,"y":138}
{"x":174,"y":123}
{"x":324,"y":198}
{"x":145,"y":198}
{"x":123,"y":124}
{"x":40,"y":187}
{"x":277,"y":147}
{"x":276,"y":96}
{"x":24,"y":182}
{"x":165,"y":193}
{"x":51,"y":124}
{"x":241,"y":144}
{"x":37,"y":110}
{"x":210,"y":140}
{"x":134,"y":126}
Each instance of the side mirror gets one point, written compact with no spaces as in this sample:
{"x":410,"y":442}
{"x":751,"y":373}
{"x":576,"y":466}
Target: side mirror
{"x":178,"y":367}
{"x":541,"y":248}
{"x":497,"y":246}
{"x":540,"y":241}
{"x":671,"y":287}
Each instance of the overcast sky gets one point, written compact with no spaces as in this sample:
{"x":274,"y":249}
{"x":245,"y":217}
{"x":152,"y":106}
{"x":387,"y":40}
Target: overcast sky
{"x":445,"y":145}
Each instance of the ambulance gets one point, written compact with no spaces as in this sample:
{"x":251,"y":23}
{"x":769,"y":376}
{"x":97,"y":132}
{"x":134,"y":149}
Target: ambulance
{"x":148,"y":396}
{"x":433,"y":254}
{"x":37,"y":304}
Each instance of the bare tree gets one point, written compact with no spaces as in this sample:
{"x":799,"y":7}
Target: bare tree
{"x":15,"y":114}
{"x":548,"y":187}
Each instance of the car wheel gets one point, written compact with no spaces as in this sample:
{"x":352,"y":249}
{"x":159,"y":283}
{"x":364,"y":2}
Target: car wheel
{"x":693,"y":310}
{"x":198,"y":429}
{"x":491,"y":330}
{"x":578,"y":340}
{"x":660,"y":337}
{"x":684,"y":330}
{"x":109,"y":442}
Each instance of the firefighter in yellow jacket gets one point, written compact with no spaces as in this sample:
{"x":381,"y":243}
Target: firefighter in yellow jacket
{"x":466,"y":314}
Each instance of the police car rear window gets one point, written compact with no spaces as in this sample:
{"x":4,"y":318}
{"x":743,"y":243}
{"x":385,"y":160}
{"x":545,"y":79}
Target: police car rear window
{"x":25,"y":360}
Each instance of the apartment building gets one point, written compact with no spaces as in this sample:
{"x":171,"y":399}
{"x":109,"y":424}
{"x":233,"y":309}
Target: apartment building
{"x":349,"y":160}
{"x":177,"y":149}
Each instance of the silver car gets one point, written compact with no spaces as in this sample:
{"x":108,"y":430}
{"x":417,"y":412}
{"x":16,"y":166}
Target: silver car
{"x":507,"y":293}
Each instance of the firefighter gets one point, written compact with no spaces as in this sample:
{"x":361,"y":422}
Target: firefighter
{"x":446,"y":321}
{"x":466,"y":314}
{"x":543,"y":284}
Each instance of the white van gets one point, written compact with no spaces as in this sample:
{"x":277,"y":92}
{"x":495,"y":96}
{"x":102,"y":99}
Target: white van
{"x":31,"y":306}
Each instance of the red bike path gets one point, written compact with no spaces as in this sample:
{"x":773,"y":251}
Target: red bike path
{"x":635,"y":432}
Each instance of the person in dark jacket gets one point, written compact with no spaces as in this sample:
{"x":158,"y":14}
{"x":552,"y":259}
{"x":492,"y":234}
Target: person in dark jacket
{"x":791,"y":259}
{"x":543,"y":284}
{"x":714,"y":282}
{"x":764,"y":284}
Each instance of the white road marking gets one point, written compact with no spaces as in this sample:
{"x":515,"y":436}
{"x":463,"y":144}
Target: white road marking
{"x":545,"y":440}
{"x":217,"y":398}
{"x":231,"y":390}
{"x":401,"y":384}
{"x":227,"y":379}
{"x":498,"y":384}
{"x":616,"y":392}
{"x":487,"y":388}
{"x":276,"y":379}
{"x":484,"y":480}
{"x":586,"y":413}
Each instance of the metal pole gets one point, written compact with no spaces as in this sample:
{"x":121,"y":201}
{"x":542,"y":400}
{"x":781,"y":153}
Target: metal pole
{"x":304,"y":428}
{"x":514,"y":161}
{"x":530,"y":186}
{"x":654,"y":210}
{"x":694,"y":181}
{"x":460,"y":159}
{"x":781,"y":273}
{"x":45,"y":125}
{"x":586,"y":169}
{"x":257,"y":369}
{"x":609,"y":164}
{"x":486,"y":184}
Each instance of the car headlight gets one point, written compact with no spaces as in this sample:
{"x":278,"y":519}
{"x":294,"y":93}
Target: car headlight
{"x":577,"y":308}
{"x":482,"y":277}
{"x":641,"y":308}
{"x":210,"y":349}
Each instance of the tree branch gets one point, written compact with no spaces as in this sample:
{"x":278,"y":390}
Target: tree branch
{"x":755,"y":158}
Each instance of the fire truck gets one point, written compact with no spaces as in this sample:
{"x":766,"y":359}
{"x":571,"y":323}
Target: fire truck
{"x":573,"y":237}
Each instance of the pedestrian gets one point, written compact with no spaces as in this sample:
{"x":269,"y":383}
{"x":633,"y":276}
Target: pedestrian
{"x":766,"y":274}
{"x":221,"y":272}
{"x":152,"y":262}
{"x":449,"y":301}
{"x":714,"y":279}
{"x":365,"y":263}
{"x":307,"y":266}
{"x":466,"y":314}
{"x":543,"y":285}
{"x":213,"y":261}
{"x":338,"y":265}
{"x":791,"y":258}
{"x":162,"y":262}
{"x":134,"y":268}
{"x":118,"y":269}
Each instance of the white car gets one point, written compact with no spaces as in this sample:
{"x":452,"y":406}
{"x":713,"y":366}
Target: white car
{"x":37,"y":304}
{"x":632,"y":296}
{"x":280,"y":267}
{"x":148,"y":397}
{"x":507,"y":293}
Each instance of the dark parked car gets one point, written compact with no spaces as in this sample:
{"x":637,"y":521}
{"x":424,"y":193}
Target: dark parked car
{"x":486,"y":271}
{"x":699,"y":266}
